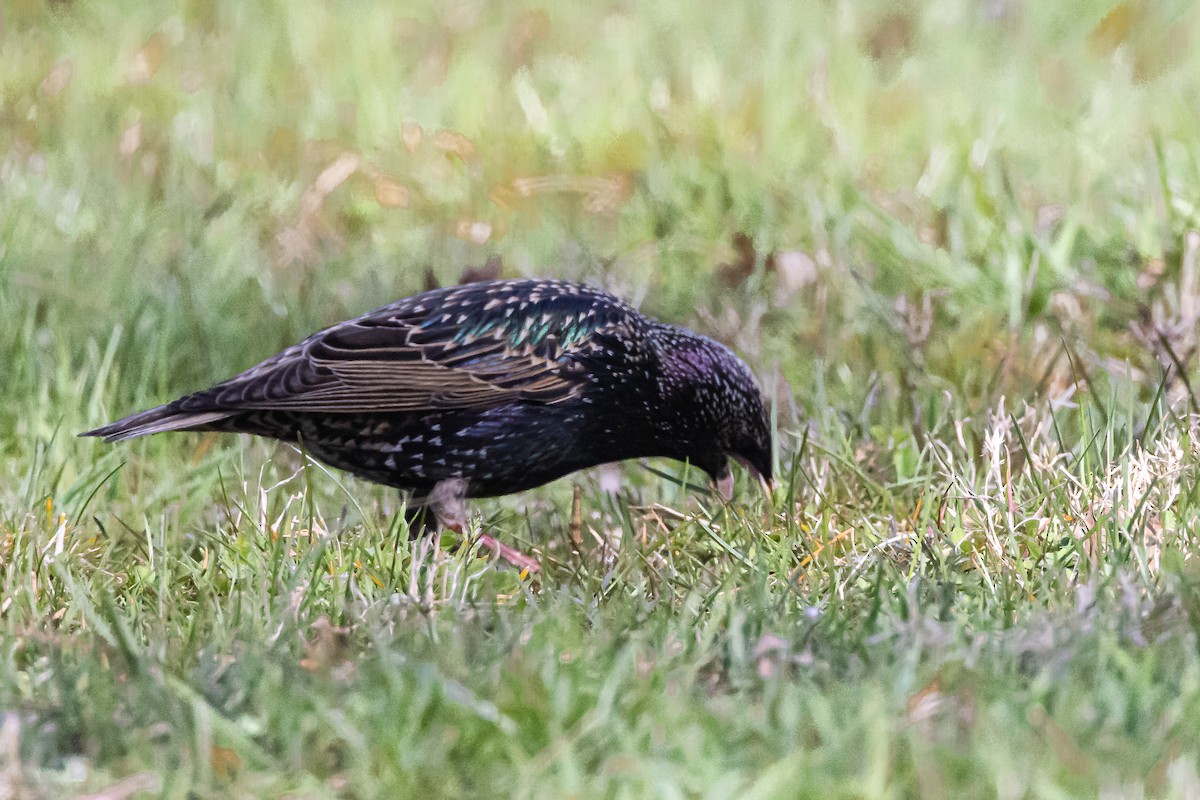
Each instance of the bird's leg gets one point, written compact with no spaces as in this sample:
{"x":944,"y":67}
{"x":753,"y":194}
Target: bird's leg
{"x":510,"y":554}
{"x":446,"y":505}
{"x":422,"y":523}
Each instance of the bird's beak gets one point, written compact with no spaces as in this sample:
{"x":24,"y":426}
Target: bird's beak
{"x":768,"y":486}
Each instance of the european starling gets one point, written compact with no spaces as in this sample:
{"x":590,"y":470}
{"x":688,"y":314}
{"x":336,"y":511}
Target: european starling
{"x":488,"y":389}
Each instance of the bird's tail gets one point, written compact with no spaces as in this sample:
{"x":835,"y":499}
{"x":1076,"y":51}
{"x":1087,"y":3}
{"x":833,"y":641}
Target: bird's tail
{"x":157,"y":420}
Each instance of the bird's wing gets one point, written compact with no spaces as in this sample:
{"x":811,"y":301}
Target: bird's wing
{"x":466,"y":348}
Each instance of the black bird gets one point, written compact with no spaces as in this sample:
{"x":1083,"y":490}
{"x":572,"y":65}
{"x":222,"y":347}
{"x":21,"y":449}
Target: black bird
{"x":488,"y":389}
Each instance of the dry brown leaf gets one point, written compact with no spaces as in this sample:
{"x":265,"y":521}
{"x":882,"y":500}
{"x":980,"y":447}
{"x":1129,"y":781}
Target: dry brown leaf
{"x":610,"y":194}
{"x":226,"y":763}
{"x":390,"y":192}
{"x":473,"y":231}
{"x":504,"y":196}
{"x":454,"y":143}
{"x":735,"y":272}
{"x":926,"y":702}
{"x":893,"y":36}
{"x":282,"y":149}
{"x":411,"y":134}
{"x":1115,"y":28}
{"x":131,"y":140}
{"x":148,"y":59}
{"x":297,"y":242}
{"x":320,"y":151}
{"x":529,"y":29}
{"x":796,"y":269}
{"x":191,"y":81}
{"x":58,"y":78}
{"x":335,"y":174}
{"x":602,"y":193}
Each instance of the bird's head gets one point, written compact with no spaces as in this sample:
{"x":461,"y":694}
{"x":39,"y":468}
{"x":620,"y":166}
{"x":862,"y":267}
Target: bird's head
{"x":719,"y":412}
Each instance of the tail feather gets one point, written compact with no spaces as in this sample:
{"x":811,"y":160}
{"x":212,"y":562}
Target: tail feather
{"x":156,"y":420}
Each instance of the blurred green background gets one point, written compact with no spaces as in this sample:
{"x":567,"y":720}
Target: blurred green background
{"x":162,"y":172}
{"x":911,"y":218}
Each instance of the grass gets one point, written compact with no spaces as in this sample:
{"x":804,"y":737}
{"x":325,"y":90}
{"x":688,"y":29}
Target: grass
{"x":956,"y":240}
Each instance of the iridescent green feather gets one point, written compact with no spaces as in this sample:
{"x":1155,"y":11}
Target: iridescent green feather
{"x":570,"y":330}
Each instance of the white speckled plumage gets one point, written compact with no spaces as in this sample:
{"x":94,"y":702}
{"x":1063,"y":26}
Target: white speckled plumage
{"x":494,"y":387}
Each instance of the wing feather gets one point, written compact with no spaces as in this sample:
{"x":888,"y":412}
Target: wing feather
{"x":469,"y":347}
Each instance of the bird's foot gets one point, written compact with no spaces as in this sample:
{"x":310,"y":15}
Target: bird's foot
{"x":525,"y":563}
{"x":512,"y":555}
